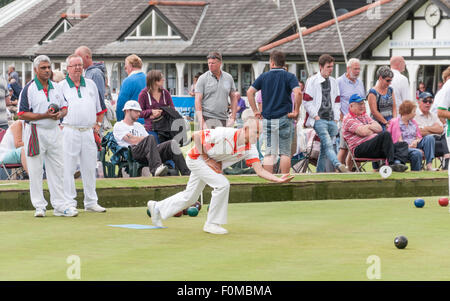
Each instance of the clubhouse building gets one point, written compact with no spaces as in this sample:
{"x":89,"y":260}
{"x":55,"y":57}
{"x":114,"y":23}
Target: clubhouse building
{"x":175,"y":36}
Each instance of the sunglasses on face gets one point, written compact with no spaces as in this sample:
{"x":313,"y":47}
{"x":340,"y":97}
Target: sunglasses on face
{"x":388,"y":80}
{"x":427,"y":101}
{"x":213,"y":57}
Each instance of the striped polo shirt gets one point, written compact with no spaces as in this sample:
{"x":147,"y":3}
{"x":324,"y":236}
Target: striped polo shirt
{"x":221,"y":145}
{"x":350,"y":124}
{"x":83,"y":102}
{"x":36,"y":99}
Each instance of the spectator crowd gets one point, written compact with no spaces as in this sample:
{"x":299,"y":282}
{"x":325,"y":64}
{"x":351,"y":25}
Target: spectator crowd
{"x":60,"y":117}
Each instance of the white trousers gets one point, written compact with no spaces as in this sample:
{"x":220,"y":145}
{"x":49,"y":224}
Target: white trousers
{"x":79,"y":146}
{"x":448,"y":144}
{"x":50,"y":154}
{"x":201,"y":175}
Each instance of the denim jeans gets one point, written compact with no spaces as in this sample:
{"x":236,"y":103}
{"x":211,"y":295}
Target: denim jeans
{"x":415,"y":155}
{"x":326,"y":130}
{"x":278,"y":134}
{"x":427,"y":144}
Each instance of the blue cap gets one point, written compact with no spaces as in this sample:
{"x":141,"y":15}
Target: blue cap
{"x":355,"y":98}
{"x":425,"y":95}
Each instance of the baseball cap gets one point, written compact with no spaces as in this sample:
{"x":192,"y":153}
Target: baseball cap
{"x":132,"y":105}
{"x":425,"y":95}
{"x":355,"y":98}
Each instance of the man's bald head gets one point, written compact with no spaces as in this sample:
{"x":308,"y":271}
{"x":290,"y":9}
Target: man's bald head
{"x":86,"y":54}
{"x":398,"y":63}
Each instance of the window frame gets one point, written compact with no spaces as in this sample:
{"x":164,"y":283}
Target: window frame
{"x":67,"y":27}
{"x":153,"y":14}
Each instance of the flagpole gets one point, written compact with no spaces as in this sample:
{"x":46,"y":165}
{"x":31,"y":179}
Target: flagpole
{"x":301,"y":38}
{"x":338,"y":31}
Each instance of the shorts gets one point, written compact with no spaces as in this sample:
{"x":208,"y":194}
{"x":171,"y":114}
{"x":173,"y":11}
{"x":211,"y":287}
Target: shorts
{"x":12,"y":157}
{"x":278,"y":134}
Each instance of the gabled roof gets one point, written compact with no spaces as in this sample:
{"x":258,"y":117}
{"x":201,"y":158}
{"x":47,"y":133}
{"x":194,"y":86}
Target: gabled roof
{"x":25,"y":31}
{"x":233,"y":27}
{"x":72,"y":19}
{"x":184,"y":18}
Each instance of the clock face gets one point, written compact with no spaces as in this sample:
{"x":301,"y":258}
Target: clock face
{"x":432,"y":15}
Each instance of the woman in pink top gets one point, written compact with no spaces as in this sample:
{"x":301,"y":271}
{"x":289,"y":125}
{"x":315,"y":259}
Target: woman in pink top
{"x":405,"y":128}
{"x":152,"y":98}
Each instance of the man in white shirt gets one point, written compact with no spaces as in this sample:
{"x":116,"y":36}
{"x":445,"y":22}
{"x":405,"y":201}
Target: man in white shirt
{"x":399,"y":82}
{"x":442,"y":102}
{"x":79,"y":124}
{"x":215,"y":150}
{"x":43,"y":139}
{"x":144,"y":149}
{"x":323,"y":109}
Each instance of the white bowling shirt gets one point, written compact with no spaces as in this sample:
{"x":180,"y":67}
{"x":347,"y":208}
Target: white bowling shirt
{"x":221,"y":145}
{"x":83,"y":102}
{"x":36,"y":99}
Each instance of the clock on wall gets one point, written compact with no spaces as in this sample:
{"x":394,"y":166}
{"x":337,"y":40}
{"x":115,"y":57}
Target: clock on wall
{"x":432,"y":15}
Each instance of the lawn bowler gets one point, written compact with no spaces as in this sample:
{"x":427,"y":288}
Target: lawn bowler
{"x":81,"y":122}
{"x":43,"y":139}
{"x":214,"y":150}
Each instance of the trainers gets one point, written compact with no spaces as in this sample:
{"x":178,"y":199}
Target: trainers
{"x":342,"y":168}
{"x":39,"y":212}
{"x":71,"y":211}
{"x":95,"y":208}
{"x":398,"y":167}
{"x":156,"y":217}
{"x":161,"y":171}
{"x":214,"y":229}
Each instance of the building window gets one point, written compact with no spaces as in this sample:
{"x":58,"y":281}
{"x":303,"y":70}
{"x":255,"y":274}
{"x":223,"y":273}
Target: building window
{"x":28,"y":72}
{"x":169,"y":72}
{"x":62,"y":28}
{"x":247,"y":77}
{"x":190,"y":70}
{"x":19,"y":70}
{"x":153,"y":27}
{"x":302,"y":73}
{"x":233,"y":69}
{"x":171,"y":79}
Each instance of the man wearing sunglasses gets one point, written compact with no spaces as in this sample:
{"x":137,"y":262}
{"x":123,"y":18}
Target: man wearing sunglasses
{"x":211,"y":95}
{"x":429,"y":124}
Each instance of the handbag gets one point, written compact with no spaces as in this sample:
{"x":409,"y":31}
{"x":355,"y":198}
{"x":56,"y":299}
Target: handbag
{"x":401,"y":151}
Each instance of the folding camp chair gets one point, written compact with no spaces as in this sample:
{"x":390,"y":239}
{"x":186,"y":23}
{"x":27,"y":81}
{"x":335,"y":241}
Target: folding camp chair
{"x":310,"y":155}
{"x":119,"y":157}
{"x":11,"y":170}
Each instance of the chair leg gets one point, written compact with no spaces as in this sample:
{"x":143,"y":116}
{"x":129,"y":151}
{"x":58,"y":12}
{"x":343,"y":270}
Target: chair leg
{"x":6,"y":171}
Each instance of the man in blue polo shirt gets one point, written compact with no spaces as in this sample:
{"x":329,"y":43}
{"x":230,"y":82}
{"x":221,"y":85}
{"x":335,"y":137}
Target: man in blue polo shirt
{"x":276,"y":88}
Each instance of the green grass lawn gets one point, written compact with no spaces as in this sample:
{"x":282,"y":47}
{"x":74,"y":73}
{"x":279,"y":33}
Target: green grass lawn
{"x":309,"y":240}
{"x":162,"y":181}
